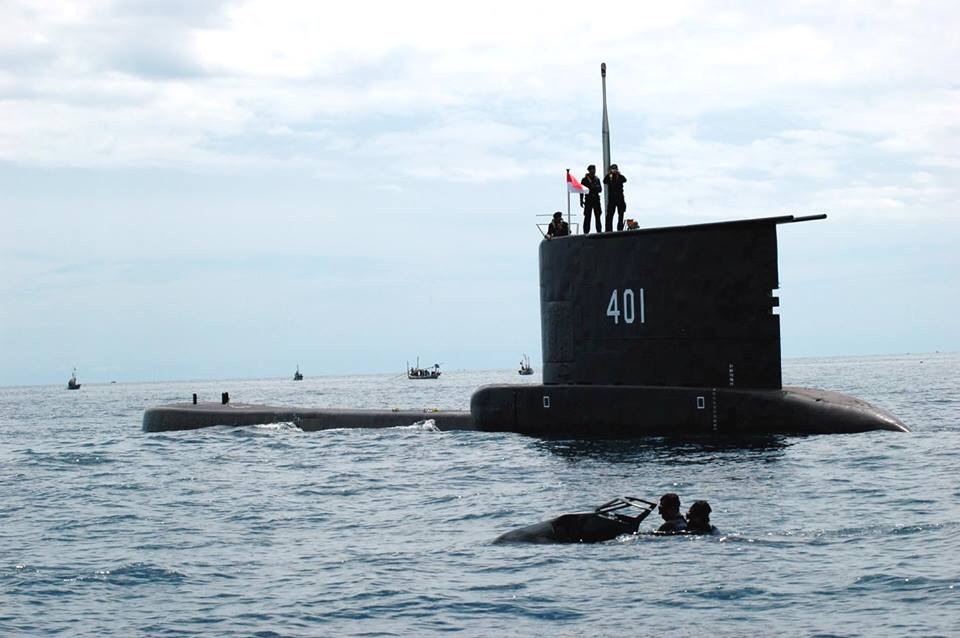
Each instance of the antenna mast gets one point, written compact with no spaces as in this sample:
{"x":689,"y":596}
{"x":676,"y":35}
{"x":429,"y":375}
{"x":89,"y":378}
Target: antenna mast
{"x":605,"y":135}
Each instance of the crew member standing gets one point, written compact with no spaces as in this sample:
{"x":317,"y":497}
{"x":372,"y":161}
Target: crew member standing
{"x":615,"y":202}
{"x":590,"y":202}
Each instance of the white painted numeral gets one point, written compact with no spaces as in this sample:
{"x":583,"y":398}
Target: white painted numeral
{"x":613,"y":309}
{"x":629,"y":306}
{"x":628,"y":314}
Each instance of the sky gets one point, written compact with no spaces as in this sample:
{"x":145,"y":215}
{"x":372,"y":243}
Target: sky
{"x":200,"y":189}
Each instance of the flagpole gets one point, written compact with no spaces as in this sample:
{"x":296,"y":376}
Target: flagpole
{"x":567,"y":184}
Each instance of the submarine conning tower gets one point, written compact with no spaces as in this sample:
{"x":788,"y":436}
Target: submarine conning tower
{"x":663,"y":331}
{"x":688,"y":306}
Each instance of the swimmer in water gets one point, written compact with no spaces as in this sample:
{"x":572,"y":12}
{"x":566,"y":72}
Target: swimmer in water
{"x":673,"y":521}
{"x":698,"y":519}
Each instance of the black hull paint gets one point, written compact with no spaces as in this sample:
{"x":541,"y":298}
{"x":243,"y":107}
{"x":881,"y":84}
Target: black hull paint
{"x":637,"y":411}
{"x":187,"y":416}
{"x":577,"y":412}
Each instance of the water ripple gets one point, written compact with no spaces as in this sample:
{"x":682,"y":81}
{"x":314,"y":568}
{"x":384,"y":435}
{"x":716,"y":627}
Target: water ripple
{"x":271,"y":531}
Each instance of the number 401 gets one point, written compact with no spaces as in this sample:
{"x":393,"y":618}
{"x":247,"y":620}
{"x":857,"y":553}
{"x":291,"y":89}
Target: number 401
{"x":629,"y":312}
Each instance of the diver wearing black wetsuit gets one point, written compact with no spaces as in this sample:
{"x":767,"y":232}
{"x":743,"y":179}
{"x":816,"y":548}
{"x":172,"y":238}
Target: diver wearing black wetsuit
{"x":698,"y":519}
{"x":673,"y":520}
{"x":606,"y":523}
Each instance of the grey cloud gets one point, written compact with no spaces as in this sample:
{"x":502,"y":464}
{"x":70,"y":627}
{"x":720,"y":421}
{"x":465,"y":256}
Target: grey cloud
{"x":152,"y":39}
{"x":198,"y":13}
{"x":153,"y":58}
{"x":146,"y":39}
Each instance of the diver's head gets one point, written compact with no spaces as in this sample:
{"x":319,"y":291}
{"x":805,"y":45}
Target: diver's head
{"x":699,"y":512}
{"x":669,"y":506}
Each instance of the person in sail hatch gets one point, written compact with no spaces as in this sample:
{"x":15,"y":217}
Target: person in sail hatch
{"x":698,"y":518}
{"x":615,"y":201}
{"x":558,"y":227}
{"x":590,"y":202}
{"x":673,"y":521}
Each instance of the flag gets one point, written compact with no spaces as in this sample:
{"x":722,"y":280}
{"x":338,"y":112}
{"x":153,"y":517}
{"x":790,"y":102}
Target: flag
{"x":573,"y":186}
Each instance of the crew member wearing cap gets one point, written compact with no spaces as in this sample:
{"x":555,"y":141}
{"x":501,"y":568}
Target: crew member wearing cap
{"x":558,"y":227}
{"x":590,"y":202}
{"x":615,"y":201}
{"x":698,"y":518}
{"x":673,"y":521}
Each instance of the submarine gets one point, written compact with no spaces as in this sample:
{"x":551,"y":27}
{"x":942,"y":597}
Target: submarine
{"x":650,"y":332}
{"x":645,"y":332}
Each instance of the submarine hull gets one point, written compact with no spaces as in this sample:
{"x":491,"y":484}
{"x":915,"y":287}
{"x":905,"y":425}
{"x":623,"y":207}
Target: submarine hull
{"x":634,"y":411}
{"x":187,"y":416}
{"x":577,"y":411}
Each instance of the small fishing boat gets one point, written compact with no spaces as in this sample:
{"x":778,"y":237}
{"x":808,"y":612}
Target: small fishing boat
{"x":72,"y":382}
{"x":417,"y":372}
{"x":525,"y":367}
{"x":298,"y":376}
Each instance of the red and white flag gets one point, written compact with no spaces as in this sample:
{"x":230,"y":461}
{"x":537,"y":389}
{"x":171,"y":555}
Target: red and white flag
{"x":573,"y":186}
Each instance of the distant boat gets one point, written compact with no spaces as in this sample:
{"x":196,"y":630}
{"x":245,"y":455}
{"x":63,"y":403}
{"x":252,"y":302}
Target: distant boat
{"x":72,"y":382}
{"x":417,"y":372}
{"x":525,"y":368}
{"x":298,"y":376}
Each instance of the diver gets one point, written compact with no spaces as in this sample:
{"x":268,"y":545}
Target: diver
{"x":698,"y":518}
{"x":673,"y":520}
{"x":607,"y":522}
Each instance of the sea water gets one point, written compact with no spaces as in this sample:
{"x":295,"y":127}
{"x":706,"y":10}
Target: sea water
{"x":271,"y":531}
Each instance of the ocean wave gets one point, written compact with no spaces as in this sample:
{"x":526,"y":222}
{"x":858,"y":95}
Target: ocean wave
{"x":427,"y":425}
{"x":282,"y":426}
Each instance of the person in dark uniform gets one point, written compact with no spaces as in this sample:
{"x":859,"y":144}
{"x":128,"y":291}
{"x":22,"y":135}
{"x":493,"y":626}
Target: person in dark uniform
{"x":558,"y":227}
{"x":615,"y":202}
{"x":698,"y":519}
{"x":673,"y":521}
{"x":590,"y":202}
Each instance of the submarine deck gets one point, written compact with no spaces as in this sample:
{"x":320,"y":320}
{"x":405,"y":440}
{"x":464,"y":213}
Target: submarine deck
{"x":574,"y":410}
{"x":187,"y":416}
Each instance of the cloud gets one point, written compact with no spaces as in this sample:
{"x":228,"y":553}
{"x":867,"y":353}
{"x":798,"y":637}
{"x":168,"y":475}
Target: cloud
{"x":726,"y":100}
{"x":239,"y":157}
{"x":890,"y":202}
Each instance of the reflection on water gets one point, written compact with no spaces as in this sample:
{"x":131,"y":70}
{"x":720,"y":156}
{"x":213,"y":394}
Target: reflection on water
{"x":668,"y":450}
